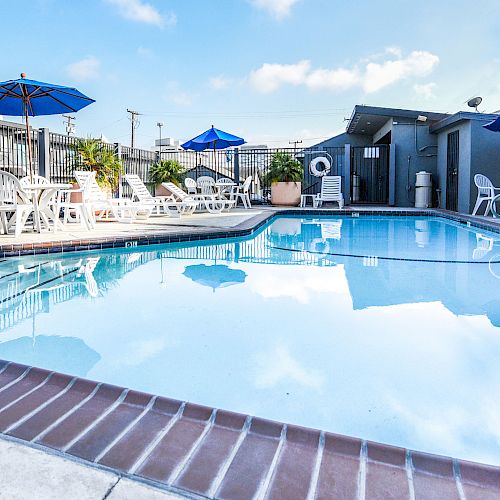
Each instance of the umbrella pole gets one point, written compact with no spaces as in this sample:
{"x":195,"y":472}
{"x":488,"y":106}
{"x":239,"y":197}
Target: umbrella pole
{"x":28,"y":134}
{"x":215,"y":162}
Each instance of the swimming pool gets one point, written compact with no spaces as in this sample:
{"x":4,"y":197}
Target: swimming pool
{"x":385,"y":328}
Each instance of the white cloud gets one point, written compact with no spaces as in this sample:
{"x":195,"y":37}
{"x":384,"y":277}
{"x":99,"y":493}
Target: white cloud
{"x":85,"y":69}
{"x":419,"y":63}
{"x":277,"y":8}
{"x":370,"y":76}
{"x":143,"y":12}
{"x":425,"y":90}
{"x":270,"y":77}
{"x":219,"y":82}
{"x":334,"y":79}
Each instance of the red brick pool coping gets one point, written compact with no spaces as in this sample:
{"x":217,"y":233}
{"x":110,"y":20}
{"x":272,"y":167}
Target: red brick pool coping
{"x":207,"y":453}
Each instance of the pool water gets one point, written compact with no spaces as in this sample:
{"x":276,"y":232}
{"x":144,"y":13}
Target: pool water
{"x":384,"y":328}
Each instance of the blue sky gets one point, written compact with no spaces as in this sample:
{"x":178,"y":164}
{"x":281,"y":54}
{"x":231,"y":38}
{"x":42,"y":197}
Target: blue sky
{"x":269,"y":70}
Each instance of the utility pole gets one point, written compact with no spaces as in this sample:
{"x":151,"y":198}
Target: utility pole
{"x":70,"y":124}
{"x":160,"y":125}
{"x":295,"y":143}
{"x":134,"y":121}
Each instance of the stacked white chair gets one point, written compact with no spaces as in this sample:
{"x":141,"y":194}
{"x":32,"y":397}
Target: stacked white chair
{"x":14,"y":202}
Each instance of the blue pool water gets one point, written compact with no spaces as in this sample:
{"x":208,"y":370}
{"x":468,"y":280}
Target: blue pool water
{"x":312,"y":321}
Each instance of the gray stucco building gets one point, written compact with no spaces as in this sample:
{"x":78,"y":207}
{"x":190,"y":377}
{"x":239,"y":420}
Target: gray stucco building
{"x":383,"y":149}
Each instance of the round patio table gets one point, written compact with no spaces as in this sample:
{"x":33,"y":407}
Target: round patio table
{"x":41,"y":194}
{"x":224,"y":187}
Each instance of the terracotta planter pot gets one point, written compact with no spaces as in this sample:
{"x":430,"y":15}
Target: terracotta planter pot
{"x":162,"y":191}
{"x":76,"y":197}
{"x":286,"y":193}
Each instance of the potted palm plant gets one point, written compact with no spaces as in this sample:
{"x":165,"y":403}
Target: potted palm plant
{"x":165,"y":171}
{"x":92,"y":154}
{"x":285,"y":176}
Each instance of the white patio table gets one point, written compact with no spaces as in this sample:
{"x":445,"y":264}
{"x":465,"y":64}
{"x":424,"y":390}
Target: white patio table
{"x":224,"y":187}
{"x":41,"y":194}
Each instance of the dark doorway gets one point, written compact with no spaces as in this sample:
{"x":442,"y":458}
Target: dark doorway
{"x":370,"y":174}
{"x":452,"y":172}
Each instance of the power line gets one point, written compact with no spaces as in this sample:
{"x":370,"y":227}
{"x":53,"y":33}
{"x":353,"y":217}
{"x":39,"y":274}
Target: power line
{"x":295,"y":143}
{"x":70,"y":124}
{"x":134,"y":122}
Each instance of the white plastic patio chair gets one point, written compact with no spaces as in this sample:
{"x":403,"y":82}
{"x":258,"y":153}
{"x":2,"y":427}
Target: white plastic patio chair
{"x":207,"y":188}
{"x":50,"y":203}
{"x":485,"y":192}
{"x":331,"y":191}
{"x":242,"y":193}
{"x":190,"y":185}
{"x":13,"y":200}
{"x":166,"y":203}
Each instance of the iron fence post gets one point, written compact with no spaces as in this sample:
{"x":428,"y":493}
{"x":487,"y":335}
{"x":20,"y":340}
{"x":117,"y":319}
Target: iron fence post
{"x":118,"y":153}
{"x":347,"y":174}
{"x":392,"y":174}
{"x":44,"y":153}
{"x":236,"y":165}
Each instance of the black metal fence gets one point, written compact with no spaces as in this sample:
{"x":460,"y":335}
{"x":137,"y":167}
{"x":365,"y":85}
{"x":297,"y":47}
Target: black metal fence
{"x":58,"y":159}
{"x":13,"y":148}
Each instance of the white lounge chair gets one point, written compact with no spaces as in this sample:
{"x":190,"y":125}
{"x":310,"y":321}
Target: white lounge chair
{"x":242,"y":193}
{"x":485,"y":192}
{"x":209,"y":202}
{"x":14,"y":201}
{"x":101,"y":207}
{"x":166,"y":203}
{"x":76,"y":211}
{"x":331,"y":191}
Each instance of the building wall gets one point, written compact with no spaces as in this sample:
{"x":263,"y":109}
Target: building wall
{"x":485,"y":158}
{"x":409,"y":161}
{"x":343,"y":139}
{"x":464,"y":164}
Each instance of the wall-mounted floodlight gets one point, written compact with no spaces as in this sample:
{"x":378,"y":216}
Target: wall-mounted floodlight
{"x":421,"y":118}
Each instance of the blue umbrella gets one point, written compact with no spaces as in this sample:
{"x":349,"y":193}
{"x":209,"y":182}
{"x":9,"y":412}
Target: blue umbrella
{"x":23,"y":97}
{"x":494,"y":126}
{"x":215,"y":139}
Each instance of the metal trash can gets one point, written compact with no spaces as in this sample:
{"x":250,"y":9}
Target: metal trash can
{"x":356,"y":187}
{"x":423,"y":190}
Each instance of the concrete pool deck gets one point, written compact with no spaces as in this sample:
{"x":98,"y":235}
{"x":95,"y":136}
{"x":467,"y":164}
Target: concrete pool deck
{"x":117,"y":436}
{"x":25,"y":470}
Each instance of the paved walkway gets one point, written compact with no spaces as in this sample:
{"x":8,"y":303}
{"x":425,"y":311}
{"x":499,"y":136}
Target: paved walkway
{"x":27,"y":473}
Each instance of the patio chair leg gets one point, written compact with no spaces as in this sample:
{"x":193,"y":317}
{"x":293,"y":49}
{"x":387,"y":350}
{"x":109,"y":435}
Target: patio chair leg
{"x":477,"y":205}
{"x":22,"y":217}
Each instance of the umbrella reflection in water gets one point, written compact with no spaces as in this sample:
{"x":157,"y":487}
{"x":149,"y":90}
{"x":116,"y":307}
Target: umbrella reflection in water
{"x":215,"y":276}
